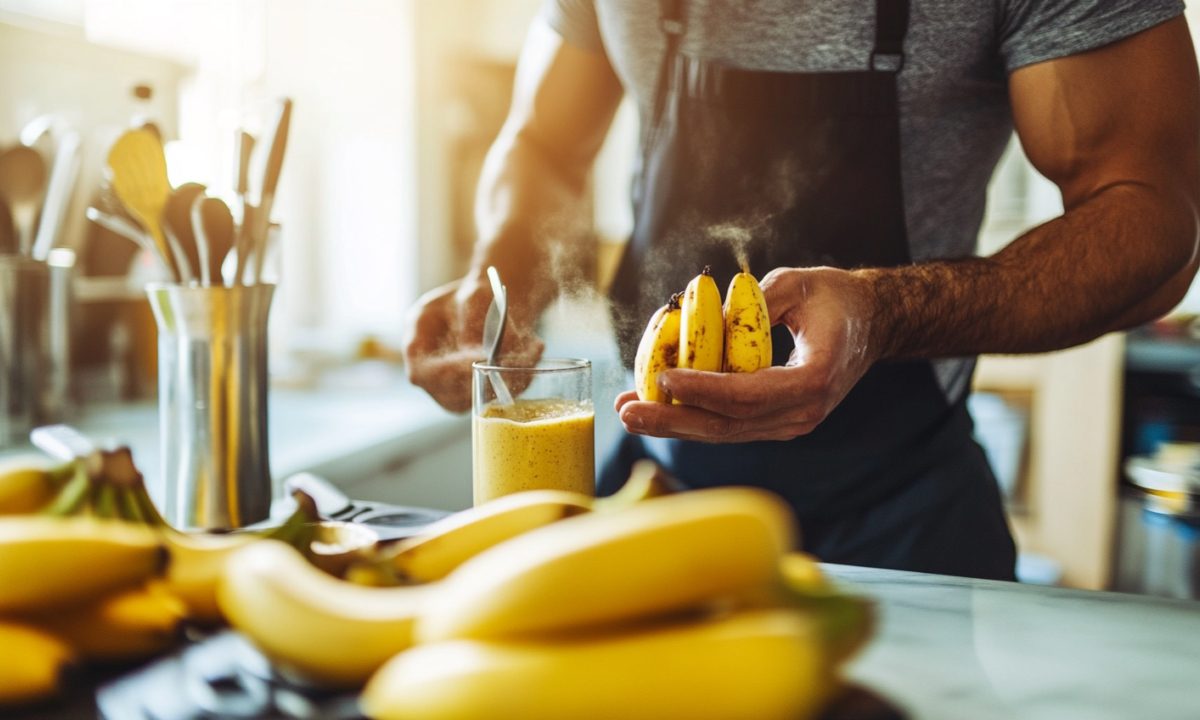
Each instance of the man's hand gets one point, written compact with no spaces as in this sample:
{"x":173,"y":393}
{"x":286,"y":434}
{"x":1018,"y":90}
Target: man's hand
{"x":444,"y":335}
{"x":829,"y":313}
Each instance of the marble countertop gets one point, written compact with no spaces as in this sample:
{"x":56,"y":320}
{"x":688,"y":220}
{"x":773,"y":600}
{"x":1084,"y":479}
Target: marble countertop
{"x":957,"y":649}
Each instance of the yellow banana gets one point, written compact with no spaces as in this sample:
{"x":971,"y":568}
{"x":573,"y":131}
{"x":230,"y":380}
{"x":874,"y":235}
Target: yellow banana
{"x":128,"y":625}
{"x":747,"y":326}
{"x":658,"y":351}
{"x":46,"y":561}
{"x":757,"y":665}
{"x":646,"y":480}
{"x":28,"y":483}
{"x":197,"y":562}
{"x":658,"y":556}
{"x":450,"y":542}
{"x":702,"y":326}
{"x":327,"y":630}
{"x":31,"y":663}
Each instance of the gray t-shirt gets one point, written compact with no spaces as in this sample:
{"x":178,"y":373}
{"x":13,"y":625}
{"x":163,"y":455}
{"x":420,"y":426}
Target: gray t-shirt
{"x":954,"y":104}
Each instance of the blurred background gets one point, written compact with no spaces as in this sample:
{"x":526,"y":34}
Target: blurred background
{"x":396,"y":103}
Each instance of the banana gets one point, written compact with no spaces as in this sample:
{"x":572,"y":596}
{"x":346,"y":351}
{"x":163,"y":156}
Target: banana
{"x":757,"y":665}
{"x":197,"y":561}
{"x":450,"y":542}
{"x":47,"y":561}
{"x":128,"y":625}
{"x":661,"y":555}
{"x":646,"y":480}
{"x":327,"y":630}
{"x":658,"y":351}
{"x":32,"y":663}
{"x":702,"y":326}
{"x":747,"y":325}
{"x":29,"y":483}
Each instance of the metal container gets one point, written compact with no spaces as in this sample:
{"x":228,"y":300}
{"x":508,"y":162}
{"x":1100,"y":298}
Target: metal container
{"x":1160,"y":548}
{"x":212,"y":399}
{"x":35,"y":342}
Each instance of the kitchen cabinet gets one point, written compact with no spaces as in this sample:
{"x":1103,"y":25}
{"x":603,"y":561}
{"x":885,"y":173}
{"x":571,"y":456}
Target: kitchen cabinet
{"x":1066,"y":501}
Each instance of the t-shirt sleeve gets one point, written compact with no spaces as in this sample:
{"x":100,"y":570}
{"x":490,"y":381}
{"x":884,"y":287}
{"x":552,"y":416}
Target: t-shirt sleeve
{"x":575,"y":21}
{"x":1036,"y":30}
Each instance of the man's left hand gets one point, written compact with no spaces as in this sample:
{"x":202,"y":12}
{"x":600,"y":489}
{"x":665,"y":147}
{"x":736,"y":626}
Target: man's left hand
{"x":830,"y":314}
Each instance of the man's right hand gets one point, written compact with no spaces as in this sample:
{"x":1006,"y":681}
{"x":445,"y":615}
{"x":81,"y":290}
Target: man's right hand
{"x":444,"y":335}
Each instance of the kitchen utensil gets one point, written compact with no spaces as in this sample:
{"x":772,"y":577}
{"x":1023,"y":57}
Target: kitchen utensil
{"x":34,"y":342}
{"x":62,"y":442}
{"x":265,"y":199}
{"x":212,"y":224}
{"x":330,"y":500}
{"x":8,"y":234}
{"x":212,"y":399}
{"x":138,"y":169}
{"x":177,"y":221}
{"x":493,"y":333}
{"x":245,"y":149}
{"x":126,"y":229}
{"x":64,"y":171}
{"x":22,"y":187}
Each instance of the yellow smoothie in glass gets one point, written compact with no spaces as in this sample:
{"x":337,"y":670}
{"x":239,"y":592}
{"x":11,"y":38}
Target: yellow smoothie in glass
{"x":533,"y":445}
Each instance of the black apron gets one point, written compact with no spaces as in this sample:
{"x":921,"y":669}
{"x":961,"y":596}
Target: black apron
{"x":799,"y":170}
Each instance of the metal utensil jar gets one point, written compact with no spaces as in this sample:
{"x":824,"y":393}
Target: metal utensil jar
{"x":212,"y":400}
{"x":35,"y":333}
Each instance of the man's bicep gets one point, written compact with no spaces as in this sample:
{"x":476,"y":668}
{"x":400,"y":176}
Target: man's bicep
{"x":564,"y":97}
{"x":1125,"y":112}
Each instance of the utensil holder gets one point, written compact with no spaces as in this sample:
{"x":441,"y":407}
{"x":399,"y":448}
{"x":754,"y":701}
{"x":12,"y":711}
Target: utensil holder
{"x":212,"y":401}
{"x":35,"y":343}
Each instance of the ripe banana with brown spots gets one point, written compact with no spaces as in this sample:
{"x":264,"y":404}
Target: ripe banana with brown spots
{"x":658,"y":351}
{"x":747,"y":326}
{"x":702,"y":326}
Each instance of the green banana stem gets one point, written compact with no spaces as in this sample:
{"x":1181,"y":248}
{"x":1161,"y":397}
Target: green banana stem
{"x":104,"y":501}
{"x":300,"y":527}
{"x":128,"y":507}
{"x":73,"y":495}
{"x":141,"y":496}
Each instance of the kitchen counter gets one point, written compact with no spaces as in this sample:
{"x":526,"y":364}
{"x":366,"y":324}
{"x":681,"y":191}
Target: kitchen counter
{"x":352,"y":428}
{"x":956,"y":649}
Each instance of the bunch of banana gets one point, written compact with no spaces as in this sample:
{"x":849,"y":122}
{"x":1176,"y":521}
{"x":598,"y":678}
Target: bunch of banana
{"x":29,"y":483}
{"x":57,"y":576}
{"x":699,"y":333}
{"x":686,"y":605}
{"x":658,"y":350}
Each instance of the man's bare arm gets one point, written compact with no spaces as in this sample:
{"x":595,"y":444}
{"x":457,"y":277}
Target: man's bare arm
{"x":535,"y":175}
{"x":1117,"y":130}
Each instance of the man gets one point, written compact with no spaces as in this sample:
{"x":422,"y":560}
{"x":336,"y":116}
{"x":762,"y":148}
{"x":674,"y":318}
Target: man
{"x":851,"y":141}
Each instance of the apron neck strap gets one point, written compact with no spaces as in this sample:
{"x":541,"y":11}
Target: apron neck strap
{"x":891,"y":26}
{"x":670,"y":21}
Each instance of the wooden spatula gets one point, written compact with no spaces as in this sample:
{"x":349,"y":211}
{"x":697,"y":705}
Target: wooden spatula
{"x":138,"y":169}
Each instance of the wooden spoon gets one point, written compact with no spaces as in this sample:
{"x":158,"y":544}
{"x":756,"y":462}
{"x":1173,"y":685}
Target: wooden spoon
{"x":138,"y":169}
{"x":213,"y":227}
{"x":22,"y":184}
{"x":177,"y":221}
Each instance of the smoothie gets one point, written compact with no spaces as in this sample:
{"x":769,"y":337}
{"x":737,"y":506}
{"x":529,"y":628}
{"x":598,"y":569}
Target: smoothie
{"x":532,"y":445}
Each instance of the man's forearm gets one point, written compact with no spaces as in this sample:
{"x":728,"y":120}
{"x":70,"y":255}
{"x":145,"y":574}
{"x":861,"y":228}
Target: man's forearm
{"x":1123,"y":257}
{"x":525,"y":205}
